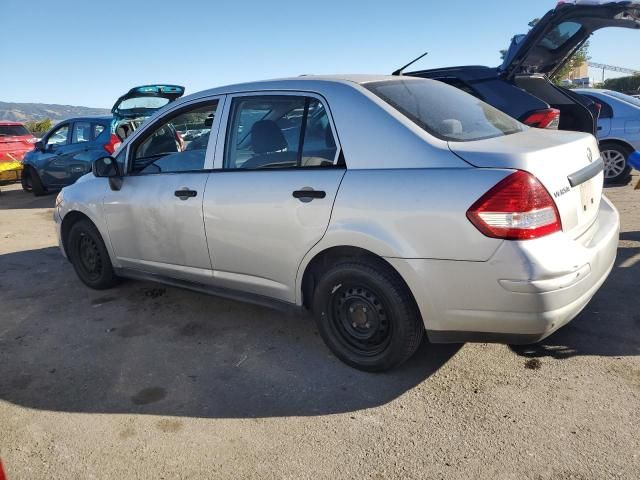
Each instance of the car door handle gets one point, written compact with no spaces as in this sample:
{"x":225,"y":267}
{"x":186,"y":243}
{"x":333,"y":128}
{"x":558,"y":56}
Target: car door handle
{"x":185,"y":193}
{"x":599,"y":129}
{"x":307,"y":194}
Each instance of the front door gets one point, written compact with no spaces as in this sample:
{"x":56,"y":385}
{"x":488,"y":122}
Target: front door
{"x":155,"y":220}
{"x":271,"y":201}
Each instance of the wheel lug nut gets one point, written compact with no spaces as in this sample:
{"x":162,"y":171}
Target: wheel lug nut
{"x":354,"y":325}
{"x":351,"y":310}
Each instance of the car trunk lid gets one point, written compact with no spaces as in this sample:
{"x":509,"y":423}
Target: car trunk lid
{"x":143,"y":101}
{"x":562,"y":31}
{"x":568,"y":165}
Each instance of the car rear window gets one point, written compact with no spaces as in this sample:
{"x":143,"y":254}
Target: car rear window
{"x":13,"y":131}
{"x":444,"y":111}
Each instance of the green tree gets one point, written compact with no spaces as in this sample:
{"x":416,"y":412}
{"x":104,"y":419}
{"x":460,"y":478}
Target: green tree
{"x":39,"y":127}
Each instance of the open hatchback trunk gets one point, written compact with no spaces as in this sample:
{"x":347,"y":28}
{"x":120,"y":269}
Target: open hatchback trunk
{"x":562,"y":31}
{"x":139,"y":103}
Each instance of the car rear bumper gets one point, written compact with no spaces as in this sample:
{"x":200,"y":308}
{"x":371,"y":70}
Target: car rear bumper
{"x":525,"y":292}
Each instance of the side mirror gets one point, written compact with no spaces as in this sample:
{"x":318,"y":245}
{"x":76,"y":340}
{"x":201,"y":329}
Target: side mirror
{"x":39,"y":146}
{"x":108,"y":167}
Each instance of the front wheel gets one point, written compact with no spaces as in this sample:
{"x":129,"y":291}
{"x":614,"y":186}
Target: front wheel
{"x":89,"y":256}
{"x":616,"y":167}
{"x":367,"y":316}
{"x":31,"y":182}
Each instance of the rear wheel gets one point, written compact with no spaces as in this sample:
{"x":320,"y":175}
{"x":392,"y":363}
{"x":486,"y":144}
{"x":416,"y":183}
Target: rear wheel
{"x":616,"y":168}
{"x":367,"y":316}
{"x":31,"y":182}
{"x":89,"y":256}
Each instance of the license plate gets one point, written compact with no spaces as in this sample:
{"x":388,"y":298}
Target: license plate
{"x":587,"y":198}
{"x":10,"y":175}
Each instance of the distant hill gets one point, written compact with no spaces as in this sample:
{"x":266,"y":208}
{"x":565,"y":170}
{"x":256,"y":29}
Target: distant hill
{"x":22,"y":112}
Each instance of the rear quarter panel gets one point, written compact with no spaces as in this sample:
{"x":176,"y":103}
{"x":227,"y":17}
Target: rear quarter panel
{"x":410,"y":213}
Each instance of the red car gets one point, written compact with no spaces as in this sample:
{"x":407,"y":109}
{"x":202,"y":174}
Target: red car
{"x":15,"y":141}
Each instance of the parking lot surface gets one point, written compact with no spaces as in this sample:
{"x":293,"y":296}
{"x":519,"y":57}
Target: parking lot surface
{"x":148,"y":381}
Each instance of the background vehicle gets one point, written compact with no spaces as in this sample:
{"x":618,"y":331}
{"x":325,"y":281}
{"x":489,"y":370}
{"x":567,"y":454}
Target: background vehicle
{"x":15,"y":141}
{"x":618,"y":130}
{"x":68,"y":150}
{"x":521,"y":85}
{"x":376,"y":202}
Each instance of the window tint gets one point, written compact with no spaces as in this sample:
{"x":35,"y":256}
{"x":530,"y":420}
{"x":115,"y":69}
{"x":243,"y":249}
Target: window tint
{"x":13,"y":131}
{"x":168,"y":148}
{"x":560,"y":35}
{"x":59,"y":136}
{"x":97,"y":130}
{"x":444,"y":111}
{"x":81,"y":132}
{"x":279,"y":131}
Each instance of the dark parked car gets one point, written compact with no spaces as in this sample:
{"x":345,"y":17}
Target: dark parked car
{"x":69,"y":149}
{"x":521,"y":85}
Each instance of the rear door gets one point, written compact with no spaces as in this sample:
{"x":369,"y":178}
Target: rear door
{"x":155,"y":220}
{"x":269,"y":200}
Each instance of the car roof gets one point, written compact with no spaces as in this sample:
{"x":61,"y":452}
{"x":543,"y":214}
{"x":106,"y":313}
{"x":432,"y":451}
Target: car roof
{"x":7,"y":122}
{"x":87,"y":117}
{"x":293,"y":83}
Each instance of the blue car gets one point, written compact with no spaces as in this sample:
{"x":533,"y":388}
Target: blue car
{"x":68,"y":150}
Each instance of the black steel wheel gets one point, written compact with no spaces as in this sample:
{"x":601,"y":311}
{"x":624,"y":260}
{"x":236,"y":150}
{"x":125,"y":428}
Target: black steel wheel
{"x":89,"y":256}
{"x":367,"y":315}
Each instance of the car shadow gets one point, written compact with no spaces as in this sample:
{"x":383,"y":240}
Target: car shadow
{"x":145,"y":348}
{"x":610,"y":324}
{"x":12,"y":197}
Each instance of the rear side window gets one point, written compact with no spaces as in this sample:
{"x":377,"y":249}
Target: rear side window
{"x":444,"y":111}
{"x":81,"y":132}
{"x":98,"y":129}
{"x":279,"y":131}
{"x":13,"y":131}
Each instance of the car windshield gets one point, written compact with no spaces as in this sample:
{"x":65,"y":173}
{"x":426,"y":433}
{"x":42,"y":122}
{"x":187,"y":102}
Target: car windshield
{"x":444,"y":111}
{"x":13,"y":131}
{"x":625,"y":98}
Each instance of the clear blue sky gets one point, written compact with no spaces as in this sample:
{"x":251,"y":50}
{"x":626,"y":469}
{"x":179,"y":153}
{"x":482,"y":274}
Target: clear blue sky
{"x":88,"y":53}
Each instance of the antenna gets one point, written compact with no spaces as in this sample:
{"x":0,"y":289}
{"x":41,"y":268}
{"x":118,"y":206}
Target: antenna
{"x":399,"y":71}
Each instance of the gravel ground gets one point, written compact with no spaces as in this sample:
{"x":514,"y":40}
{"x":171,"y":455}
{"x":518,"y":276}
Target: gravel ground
{"x":146,"y":381}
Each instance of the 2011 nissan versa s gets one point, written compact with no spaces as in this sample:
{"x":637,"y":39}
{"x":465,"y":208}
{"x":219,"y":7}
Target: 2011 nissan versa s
{"x":389,"y":206}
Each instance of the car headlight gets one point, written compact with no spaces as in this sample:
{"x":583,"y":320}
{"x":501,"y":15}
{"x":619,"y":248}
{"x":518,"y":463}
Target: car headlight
{"x":59,"y":199}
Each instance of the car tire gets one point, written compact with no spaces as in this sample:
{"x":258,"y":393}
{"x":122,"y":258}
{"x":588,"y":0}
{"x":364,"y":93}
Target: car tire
{"x":31,"y":182}
{"x":616,"y":168}
{"x":367,"y":316}
{"x":89,"y":256}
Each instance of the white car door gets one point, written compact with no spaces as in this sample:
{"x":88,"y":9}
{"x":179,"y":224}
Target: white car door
{"x":269,"y":200}
{"x":155,"y":220}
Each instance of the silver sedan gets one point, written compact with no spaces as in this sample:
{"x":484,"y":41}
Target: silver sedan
{"x":387,"y":206}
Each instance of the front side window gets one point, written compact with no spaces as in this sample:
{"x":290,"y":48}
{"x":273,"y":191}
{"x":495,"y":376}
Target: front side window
{"x":444,"y":111}
{"x":58,"y":137}
{"x":279,"y":131}
{"x":81,"y":132}
{"x":167,"y":148}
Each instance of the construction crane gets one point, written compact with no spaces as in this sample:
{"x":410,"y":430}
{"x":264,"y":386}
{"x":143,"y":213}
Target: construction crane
{"x":612,"y":68}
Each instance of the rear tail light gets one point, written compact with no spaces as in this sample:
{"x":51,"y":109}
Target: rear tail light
{"x":547,"y":118}
{"x":517,"y":208}
{"x":114,"y":143}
